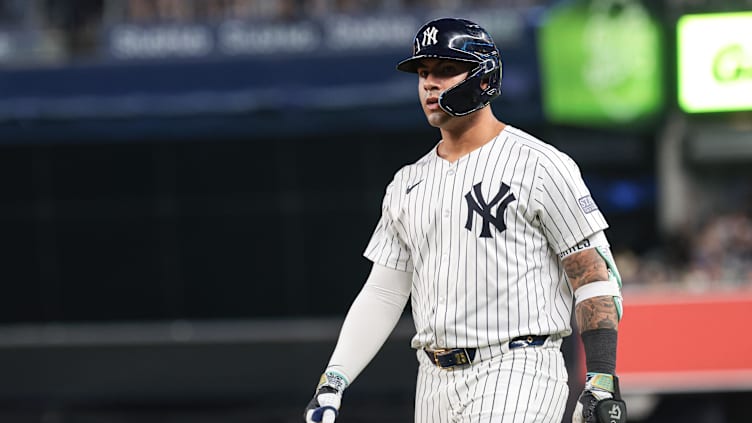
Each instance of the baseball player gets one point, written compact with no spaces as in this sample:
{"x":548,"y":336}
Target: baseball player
{"x":494,"y":237}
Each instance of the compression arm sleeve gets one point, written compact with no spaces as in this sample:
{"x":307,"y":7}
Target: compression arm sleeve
{"x":372,"y":317}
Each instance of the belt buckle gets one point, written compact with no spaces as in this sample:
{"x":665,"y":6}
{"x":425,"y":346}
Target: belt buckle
{"x":436,"y":354}
{"x":459,"y":356}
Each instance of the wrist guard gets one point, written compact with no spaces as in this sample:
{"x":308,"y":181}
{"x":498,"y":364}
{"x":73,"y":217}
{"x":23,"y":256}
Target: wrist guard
{"x":600,"y":401}
{"x":325,"y":404}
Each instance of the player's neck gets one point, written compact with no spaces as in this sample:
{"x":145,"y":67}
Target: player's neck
{"x":468,"y":135}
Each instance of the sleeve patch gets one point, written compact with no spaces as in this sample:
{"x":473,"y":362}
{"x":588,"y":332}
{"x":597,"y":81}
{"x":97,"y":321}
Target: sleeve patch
{"x":587,"y":204}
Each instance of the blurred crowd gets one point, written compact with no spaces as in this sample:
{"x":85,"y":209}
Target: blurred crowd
{"x":60,"y":29}
{"x":143,"y":11}
{"x":715,"y":256}
{"x":210,"y":10}
{"x":77,"y":24}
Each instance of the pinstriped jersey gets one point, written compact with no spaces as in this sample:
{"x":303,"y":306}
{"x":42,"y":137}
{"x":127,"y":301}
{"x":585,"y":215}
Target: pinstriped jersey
{"x":481,"y":237}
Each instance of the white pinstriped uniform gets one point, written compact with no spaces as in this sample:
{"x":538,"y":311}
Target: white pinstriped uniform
{"x":482,"y":281}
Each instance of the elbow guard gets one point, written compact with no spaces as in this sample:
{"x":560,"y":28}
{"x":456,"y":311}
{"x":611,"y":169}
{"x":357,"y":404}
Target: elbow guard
{"x":611,"y":287}
{"x":613,"y":277}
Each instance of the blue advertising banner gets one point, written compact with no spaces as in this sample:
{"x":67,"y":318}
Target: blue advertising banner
{"x":332,"y":35}
{"x":339,"y":64}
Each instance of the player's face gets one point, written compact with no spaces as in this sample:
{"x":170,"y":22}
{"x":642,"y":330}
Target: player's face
{"x":434,"y":77}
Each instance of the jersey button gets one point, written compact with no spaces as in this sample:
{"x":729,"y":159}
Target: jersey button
{"x":447,"y":213}
{"x":450,"y":172}
{"x":441,"y":300}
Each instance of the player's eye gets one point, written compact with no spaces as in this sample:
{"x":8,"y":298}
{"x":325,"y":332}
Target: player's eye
{"x":449,"y":69}
{"x":423,"y":73}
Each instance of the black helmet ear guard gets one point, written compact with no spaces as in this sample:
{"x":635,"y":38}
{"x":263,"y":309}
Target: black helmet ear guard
{"x":460,"y":39}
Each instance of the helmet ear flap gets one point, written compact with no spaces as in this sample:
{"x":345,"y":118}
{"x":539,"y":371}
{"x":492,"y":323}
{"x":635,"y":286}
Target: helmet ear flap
{"x":474,"y":93}
{"x":488,"y":65}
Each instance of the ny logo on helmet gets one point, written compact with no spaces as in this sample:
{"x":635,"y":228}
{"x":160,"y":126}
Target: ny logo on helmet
{"x":429,"y":36}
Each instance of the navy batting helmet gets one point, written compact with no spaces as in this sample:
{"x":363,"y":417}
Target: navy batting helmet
{"x":460,"y":39}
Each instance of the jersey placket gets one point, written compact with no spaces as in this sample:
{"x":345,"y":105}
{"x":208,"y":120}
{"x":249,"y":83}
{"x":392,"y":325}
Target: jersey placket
{"x":445,"y":211}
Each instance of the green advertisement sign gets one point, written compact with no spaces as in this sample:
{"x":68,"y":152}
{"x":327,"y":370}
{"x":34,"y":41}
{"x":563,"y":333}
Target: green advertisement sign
{"x":715,"y":62}
{"x":601,"y":63}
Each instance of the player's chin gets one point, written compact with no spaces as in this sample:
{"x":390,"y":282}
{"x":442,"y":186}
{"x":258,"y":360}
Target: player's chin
{"x":436,"y":118}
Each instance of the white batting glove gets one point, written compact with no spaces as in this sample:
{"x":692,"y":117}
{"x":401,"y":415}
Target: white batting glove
{"x":600,"y":401}
{"x":324,"y":407}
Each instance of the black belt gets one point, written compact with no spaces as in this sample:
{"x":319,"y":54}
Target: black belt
{"x":449,"y":358}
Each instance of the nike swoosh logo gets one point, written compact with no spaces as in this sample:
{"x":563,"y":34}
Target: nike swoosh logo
{"x":410,"y":188}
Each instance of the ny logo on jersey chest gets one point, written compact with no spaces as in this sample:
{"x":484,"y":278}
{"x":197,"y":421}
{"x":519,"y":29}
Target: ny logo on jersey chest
{"x":477,"y":204}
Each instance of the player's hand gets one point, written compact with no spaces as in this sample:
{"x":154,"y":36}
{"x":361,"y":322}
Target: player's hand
{"x":600,"y":401}
{"x":324,"y":407}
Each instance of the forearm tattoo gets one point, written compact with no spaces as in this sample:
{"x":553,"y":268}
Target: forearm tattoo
{"x":594,"y":313}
